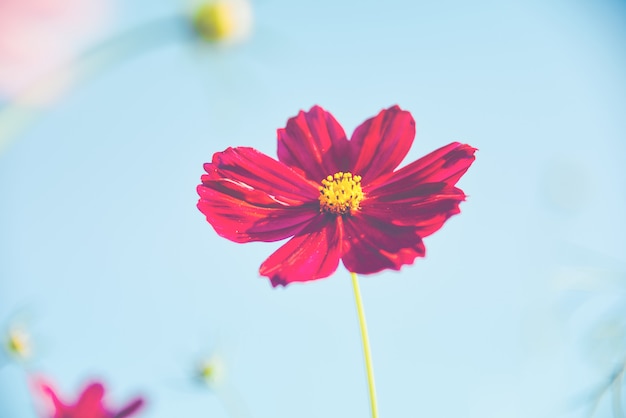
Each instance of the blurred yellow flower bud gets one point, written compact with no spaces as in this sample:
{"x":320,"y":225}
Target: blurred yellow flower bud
{"x":223,"y":21}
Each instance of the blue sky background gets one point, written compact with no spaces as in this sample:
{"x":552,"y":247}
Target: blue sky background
{"x":517,"y":310}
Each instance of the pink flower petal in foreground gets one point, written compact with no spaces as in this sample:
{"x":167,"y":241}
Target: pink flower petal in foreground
{"x":88,"y":405}
{"x":338,"y":199}
{"x":39,"y":36}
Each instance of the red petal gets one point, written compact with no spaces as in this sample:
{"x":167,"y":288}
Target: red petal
{"x":314,"y":143}
{"x":130,"y":409}
{"x":312,"y":254}
{"x":425,"y":207}
{"x":258,"y":171}
{"x":422,"y":194}
{"x":52,"y":405}
{"x":371,"y":245}
{"x":379,"y":144}
{"x":445,"y":165}
{"x":90,"y":403}
{"x":248,"y":196}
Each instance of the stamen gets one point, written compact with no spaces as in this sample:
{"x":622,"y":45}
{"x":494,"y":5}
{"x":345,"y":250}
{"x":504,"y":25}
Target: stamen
{"x":340,"y":193}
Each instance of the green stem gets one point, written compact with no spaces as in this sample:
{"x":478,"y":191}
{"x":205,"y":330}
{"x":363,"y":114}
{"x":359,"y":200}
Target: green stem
{"x":366,"y":346}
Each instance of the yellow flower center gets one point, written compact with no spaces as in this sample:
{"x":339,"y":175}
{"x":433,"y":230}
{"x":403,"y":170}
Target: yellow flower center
{"x":340,"y":193}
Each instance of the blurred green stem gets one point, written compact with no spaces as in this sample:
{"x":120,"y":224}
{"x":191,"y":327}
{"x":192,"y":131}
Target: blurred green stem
{"x":366,"y":345}
{"x":232,"y":402}
{"x":617,"y":394}
{"x":614,"y":384}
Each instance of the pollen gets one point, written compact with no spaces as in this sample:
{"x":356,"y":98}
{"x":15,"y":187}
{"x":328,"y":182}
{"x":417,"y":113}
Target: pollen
{"x":340,"y":193}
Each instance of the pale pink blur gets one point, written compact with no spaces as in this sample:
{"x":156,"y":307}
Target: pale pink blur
{"x":39,"y":37}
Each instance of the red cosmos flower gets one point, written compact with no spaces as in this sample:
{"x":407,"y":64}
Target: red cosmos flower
{"x":89,"y":404}
{"x":338,"y":198}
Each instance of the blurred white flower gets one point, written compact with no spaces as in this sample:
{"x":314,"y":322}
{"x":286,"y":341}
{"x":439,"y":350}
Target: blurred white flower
{"x":210,"y":371}
{"x":18,"y":342}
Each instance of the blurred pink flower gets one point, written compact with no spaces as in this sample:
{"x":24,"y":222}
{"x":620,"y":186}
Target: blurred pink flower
{"x":88,"y":405}
{"x":38,"y":37}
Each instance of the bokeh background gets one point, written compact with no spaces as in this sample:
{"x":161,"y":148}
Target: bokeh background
{"x":517,"y":311}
